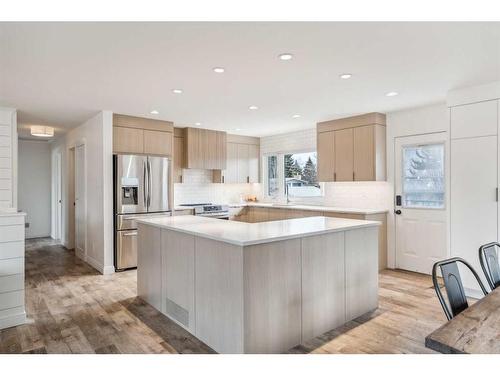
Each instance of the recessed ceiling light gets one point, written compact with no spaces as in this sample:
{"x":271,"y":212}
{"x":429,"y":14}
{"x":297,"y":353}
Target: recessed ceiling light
{"x":197,"y":123}
{"x":253,"y":107}
{"x":219,"y":69}
{"x":177,"y":91}
{"x":154,"y":112}
{"x":285,"y":56}
{"x":237,"y":129}
{"x":392,"y":93}
{"x":295,"y":116}
{"x":345,"y":76}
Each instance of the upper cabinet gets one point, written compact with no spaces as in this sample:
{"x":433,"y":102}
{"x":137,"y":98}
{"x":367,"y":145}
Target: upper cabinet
{"x":243,"y":155}
{"x":137,"y":135}
{"x":474,"y":120}
{"x":205,"y":149}
{"x":352,"y":149}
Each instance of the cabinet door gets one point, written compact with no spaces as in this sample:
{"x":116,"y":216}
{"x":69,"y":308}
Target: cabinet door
{"x":211,"y":154}
{"x":193,"y":149}
{"x":231,"y":172}
{"x":473,"y":199}
{"x":128,"y":140}
{"x":157,"y":143}
{"x":364,"y":153}
{"x":178,"y":158}
{"x":221,"y":147}
{"x":474,"y":120}
{"x":243,"y":165}
{"x":253,"y":163}
{"x":344,"y":155}
{"x":326,"y":156}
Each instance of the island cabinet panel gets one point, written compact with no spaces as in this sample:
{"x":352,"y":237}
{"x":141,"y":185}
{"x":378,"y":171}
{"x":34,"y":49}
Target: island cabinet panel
{"x":178,"y":277}
{"x":219,"y":295}
{"x":272,"y":295}
{"x":361,"y":271}
{"x":150,"y":280}
{"x":323,"y":284}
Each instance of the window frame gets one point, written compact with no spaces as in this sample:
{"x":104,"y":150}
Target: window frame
{"x":281,"y":176}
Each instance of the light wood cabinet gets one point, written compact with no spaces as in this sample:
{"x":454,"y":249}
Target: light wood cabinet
{"x":137,"y":135}
{"x":157,"y":143}
{"x":326,"y":156}
{"x":128,"y":140}
{"x":352,"y":149}
{"x":252,"y":214}
{"x":344,"y":155}
{"x":178,"y":162}
{"x":205,"y":149}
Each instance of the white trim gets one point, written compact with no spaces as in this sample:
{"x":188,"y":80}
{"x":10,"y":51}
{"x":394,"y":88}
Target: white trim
{"x":105,"y":270}
{"x":475,"y":94}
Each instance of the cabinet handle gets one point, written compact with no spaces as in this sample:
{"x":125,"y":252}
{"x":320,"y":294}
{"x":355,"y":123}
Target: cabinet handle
{"x":181,"y":179}
{"x":334,"y":176}
{"x":223,"y":180}
{"x":496,"y":194}
{"x":248,"y":179}
{"x":353,"y":176}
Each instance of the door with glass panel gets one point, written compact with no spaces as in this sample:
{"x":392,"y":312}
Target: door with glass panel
{"x":420,"y":201}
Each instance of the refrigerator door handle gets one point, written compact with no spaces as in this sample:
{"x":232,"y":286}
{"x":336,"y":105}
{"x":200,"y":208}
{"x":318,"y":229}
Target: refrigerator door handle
{"x":150,"y":184}
{"x":144,"y":192}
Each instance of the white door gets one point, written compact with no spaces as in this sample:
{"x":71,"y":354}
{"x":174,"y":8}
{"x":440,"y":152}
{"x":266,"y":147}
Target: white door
{"x":420,"y":204}
{"x":80,"y":200}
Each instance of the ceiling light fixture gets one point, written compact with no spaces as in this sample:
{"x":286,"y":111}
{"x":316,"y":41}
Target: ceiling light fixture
{"x":197,"y":123}
{"x":253,"y":107}
{"x":392,"y":93}
{"x":177,"y":91}
{"x":219,"y":69}
{"x":42,"y":131}
{"x":345,"y":76}
{"x":154,"y":112}
{"x":237,"y":129}
{"x":285,"y":56}
{"x":295,"y":116}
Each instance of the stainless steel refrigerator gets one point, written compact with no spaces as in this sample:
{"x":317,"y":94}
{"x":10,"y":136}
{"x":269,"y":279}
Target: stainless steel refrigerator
{"x":141,"y":188}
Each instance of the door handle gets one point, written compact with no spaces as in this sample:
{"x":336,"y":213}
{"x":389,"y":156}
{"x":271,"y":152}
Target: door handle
{"x":150,"y":183}
{"x":397,"y":212}
{"x":144,"y":184}
{"x":130,"y":234}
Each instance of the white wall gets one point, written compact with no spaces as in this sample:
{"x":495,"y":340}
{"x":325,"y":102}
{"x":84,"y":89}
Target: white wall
{"x":96,"y":133}
{"x":34,"y":187}
{"x":424,"y":120}
{"x":8,"y":159}
{"x":372,"y":195}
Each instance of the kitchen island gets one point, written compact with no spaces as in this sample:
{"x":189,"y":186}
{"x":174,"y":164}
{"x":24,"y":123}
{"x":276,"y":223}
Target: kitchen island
{"x":258,"y":287}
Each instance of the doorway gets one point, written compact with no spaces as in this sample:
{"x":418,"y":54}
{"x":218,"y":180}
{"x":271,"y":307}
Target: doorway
{"x":77,"y":198}
{"x":420,"y":201}
{"x":58,"y":211}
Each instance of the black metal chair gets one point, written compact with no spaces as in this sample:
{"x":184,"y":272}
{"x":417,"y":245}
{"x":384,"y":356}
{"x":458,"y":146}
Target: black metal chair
{"x":453,"y":285}
{"x":488,"y":257}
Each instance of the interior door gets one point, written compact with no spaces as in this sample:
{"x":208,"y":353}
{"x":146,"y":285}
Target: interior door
{"x":158,"y":175}
{"x":58,"y":231}
{"x":420,"y":202}
{"x":80,"y":200}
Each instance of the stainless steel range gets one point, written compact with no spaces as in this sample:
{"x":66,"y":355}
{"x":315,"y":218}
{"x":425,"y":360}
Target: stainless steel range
{"x":216,"y":211}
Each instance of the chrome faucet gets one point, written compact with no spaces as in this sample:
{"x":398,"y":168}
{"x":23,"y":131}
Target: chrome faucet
{"x":286,"y":193}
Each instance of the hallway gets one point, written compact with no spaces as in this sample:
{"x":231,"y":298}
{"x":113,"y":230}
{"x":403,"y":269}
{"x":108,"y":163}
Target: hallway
{"x":74,"y":309}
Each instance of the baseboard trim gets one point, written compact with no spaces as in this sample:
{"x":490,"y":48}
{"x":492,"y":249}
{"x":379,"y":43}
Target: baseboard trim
{"x":105,"y":270}
{"x":13,"y":320}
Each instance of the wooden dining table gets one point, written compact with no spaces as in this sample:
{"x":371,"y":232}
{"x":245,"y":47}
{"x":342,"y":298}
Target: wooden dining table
{"x":475,"y":330}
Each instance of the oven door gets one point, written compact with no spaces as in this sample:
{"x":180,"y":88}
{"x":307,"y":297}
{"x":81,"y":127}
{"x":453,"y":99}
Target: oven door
{"x":126,"y":250}
{"x":224,"y":216}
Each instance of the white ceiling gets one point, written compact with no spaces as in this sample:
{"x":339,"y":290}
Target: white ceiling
{"x":60,"y":74}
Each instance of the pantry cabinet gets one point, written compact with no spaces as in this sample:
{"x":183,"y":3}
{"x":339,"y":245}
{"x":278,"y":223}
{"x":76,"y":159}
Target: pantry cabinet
{"x":352,"y":149}
{"x":137,"y":135}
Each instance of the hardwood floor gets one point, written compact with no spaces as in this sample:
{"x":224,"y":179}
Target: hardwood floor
{"x":74,"y":309}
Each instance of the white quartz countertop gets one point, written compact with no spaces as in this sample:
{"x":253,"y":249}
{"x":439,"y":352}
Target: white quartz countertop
{"x":245,"y":234}
{"x":291,"y":206}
